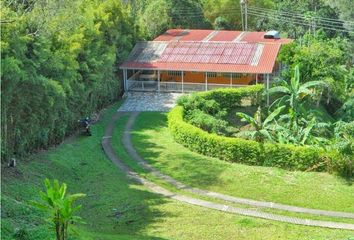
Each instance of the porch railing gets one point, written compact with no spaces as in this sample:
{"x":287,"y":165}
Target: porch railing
{"x":135,"y":85}
{"x":142,"y":85}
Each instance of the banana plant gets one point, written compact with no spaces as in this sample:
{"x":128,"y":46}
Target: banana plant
{"x":300,"y":134}
{"x":262,"y":129}
{"x":294,"y":93}
{"x":59,"y":206}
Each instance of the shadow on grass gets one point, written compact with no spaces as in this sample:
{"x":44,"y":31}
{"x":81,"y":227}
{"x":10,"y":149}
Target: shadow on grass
{"x":114,"y":206}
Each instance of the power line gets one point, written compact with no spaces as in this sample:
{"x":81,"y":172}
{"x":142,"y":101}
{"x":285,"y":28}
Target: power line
{"x":284,"y":13}
{"x":307,"y":19}
{"x":303,"y":22}
{"x":299,"y":22}
{"x":296,"y":16}
{"x":299,"y":14}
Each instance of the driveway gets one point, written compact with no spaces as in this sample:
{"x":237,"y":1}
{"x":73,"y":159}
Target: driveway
{"x":148,"y":101}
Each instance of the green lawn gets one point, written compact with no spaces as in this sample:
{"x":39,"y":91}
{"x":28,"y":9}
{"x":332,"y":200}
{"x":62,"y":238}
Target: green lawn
{"x":118,"y":209}
{"x":153,"y":141}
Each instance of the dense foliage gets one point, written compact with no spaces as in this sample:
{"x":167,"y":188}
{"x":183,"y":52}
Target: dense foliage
{"x":58,"y":63}
{"x":325,"y":60}
{"x":294,"y":118}
{"x":203,"y":113}
{"x":208,"y":110}
{"x":251,"y":152}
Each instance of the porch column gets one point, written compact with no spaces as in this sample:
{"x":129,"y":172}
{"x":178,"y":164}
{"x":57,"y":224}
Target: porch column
{"x":125,"y":81}
{"x":230,"y":79}
{"x":256,"y":78}
{"x":267,"y":89}
{"x":182,"y":81}
{"x":158,"y":80}
{"x":206,"y":81}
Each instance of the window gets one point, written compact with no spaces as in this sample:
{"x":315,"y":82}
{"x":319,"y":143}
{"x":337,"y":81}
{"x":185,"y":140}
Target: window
{"x":236,"y":75}
{"x":233,"y":75}
{"x":211,"y":74}
{"x":227,"y":75}
{"x":174,"y":73}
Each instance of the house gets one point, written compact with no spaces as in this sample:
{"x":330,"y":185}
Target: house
{"x":182,"y":60}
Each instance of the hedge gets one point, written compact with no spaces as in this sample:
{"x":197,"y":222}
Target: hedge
{"x":232,"y":97}
{"x":238,"y":150}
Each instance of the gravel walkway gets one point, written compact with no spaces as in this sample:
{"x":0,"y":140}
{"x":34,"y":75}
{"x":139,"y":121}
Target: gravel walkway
{"x":107,"y":147}
{"x":149,"y":101}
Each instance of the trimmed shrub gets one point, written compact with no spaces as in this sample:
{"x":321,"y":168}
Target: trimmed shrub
{"x":194,"y":101}
{"x":286,"y":156}
{"x":232,"y":97}
{"x":203,"y":113}
{"x":207,"y":122}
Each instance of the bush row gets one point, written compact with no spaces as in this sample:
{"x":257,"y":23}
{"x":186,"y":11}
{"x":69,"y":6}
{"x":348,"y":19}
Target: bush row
{"x":233,"y":97}
{"x":250,"y":152}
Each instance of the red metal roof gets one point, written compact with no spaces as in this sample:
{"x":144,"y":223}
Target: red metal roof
{"x":258,"y":37}
{"x":228,"y":36}
{"x":225,"y":36}
{"x":211,"y":51}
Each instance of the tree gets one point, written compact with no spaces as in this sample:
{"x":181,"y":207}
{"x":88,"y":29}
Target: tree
{"x":324,"y":60}
{"x":221,"y":23}
{"x":160,"y":15}
{"x":294,"y":26}
{"x":230,"y":11}
{"x":262,"y":129}
{"x":294,"y":93}
{"x":59,"y":62}
{"x":299,"y":124}
{"x":214,"y":9}
{"x":59,"y":206}
{"x":302,"y":132}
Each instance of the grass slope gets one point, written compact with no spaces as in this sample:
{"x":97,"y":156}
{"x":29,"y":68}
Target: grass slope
{"x":248,"y":228}
{"x":118,"y":209}
{"x":153,"y":141}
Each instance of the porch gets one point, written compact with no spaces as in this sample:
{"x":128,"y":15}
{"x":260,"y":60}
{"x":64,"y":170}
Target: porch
{"x":180,"y":81}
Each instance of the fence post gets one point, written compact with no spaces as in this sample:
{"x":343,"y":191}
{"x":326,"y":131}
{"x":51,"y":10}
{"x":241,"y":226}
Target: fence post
{"x":158,"y":80}
{"x":268,"y":89}
{"x":125,"y":81}
{"x":182,"y":81}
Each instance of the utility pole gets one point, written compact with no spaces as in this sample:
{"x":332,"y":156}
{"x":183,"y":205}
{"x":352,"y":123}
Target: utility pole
{"x":243,"y":4}
{"x":314,"y":21}
{"x":241,"y":7}
{"x":246,"y":15}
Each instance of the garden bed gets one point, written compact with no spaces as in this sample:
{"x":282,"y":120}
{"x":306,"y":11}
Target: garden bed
{"x":234,"y":149}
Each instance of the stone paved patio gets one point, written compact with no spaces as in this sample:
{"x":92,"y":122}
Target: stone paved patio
{"x":148,"y":101}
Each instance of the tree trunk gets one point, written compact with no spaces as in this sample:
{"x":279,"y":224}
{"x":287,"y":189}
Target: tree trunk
{"x":57,"y":226}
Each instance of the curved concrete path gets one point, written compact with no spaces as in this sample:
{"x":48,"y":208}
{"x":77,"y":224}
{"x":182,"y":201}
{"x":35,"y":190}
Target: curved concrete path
{"x":107,"y":147}
{"x":143,"y":163}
